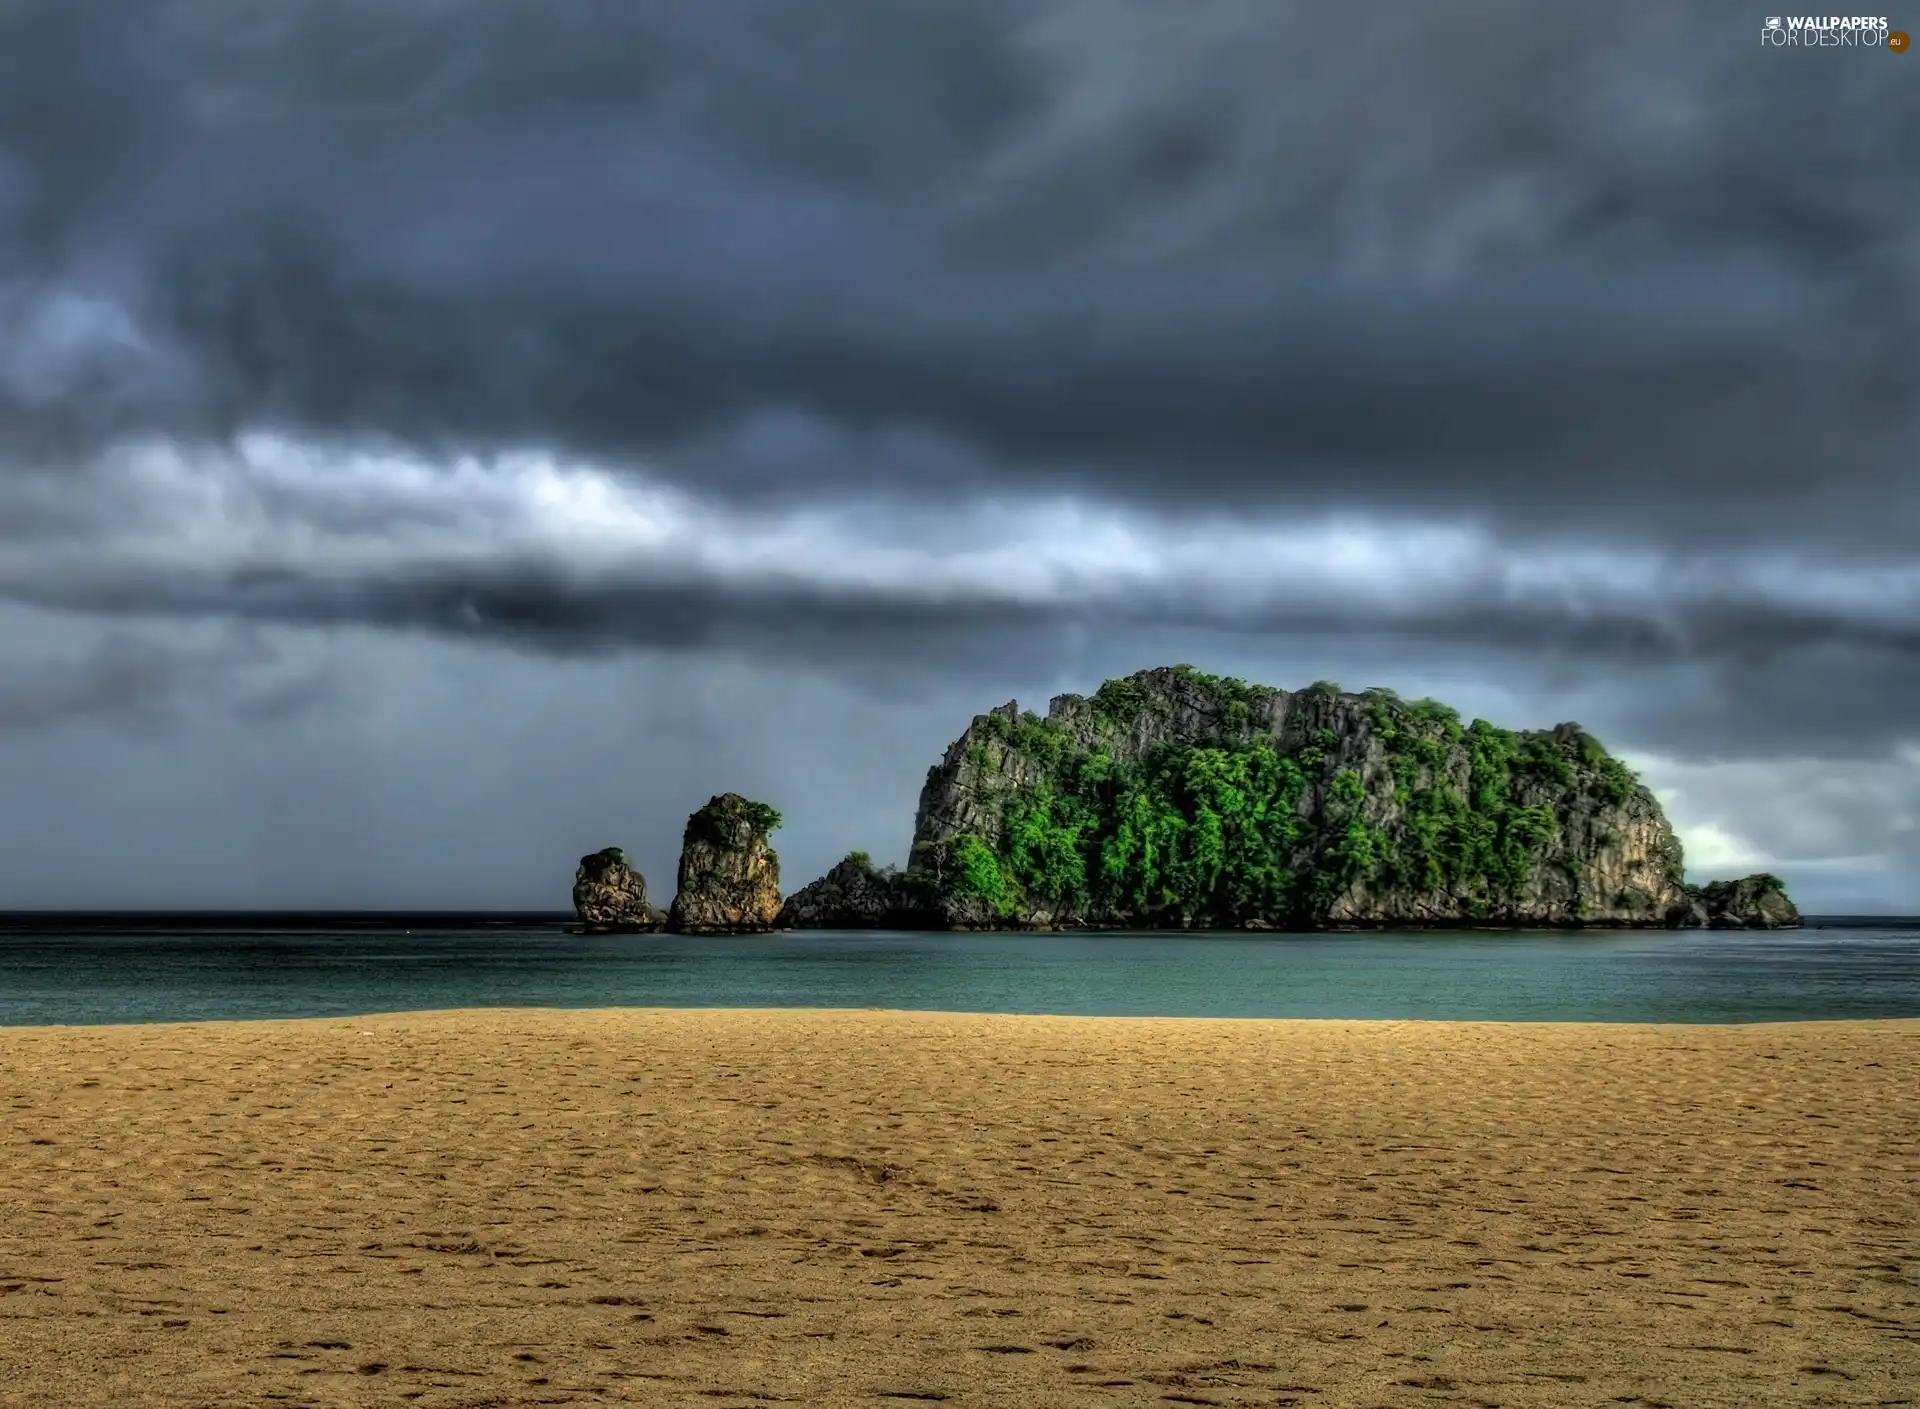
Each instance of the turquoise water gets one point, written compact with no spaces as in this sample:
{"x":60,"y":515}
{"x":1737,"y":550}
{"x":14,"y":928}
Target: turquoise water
{"x":148,"y":972}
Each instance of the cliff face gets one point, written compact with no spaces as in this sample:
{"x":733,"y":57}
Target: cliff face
{"x":1174,"y":798}
{"x":729,"y":879}
{"x":609,"y":895}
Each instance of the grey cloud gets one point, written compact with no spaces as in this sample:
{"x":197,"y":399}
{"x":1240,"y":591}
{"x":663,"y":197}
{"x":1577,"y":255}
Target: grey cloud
{"x":1613,"y":281}
{"x":1705,"y":677}
{"x":1722,"y":650}
{"x":130,"y":680}
{"x":1529,"y":263}
{"x":1851,"y":834}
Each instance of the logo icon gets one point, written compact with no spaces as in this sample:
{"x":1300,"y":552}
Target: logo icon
{"x":1773,"y":21}
{"x":1898,"y":42}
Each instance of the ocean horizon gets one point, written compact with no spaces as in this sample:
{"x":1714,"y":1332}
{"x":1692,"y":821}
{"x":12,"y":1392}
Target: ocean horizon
{"x":175,"y":966}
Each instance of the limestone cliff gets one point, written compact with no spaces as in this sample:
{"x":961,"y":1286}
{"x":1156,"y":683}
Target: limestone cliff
{"x":729,"y":879}
{"x":609,"y":895}
{"x":1174,"y":798}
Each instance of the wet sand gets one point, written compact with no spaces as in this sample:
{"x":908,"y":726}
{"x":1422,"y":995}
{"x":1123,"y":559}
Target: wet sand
{"x":876,"y":1208}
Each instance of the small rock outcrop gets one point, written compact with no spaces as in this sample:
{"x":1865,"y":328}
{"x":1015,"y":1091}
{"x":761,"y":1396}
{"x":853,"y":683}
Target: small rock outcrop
{"x":1757,"y":902}
{"x":729,"y":879}
{"x":610,"y":896}
{"x":853,"y":896}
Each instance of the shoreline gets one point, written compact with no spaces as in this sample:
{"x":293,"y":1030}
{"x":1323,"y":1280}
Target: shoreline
{"x":168,"y":921}
{"x":742,"y":1206}
{"x":616,"y":1010}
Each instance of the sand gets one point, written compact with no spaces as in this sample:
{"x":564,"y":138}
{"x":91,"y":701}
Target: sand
{"x":880,"y":1208}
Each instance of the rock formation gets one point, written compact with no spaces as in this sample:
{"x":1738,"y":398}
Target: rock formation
{"x":1178,"y":799}
{"x":609,"y":895}
{"x":1751,"y":903}
{"x":729,"y":872}
{"x":853,"y":896}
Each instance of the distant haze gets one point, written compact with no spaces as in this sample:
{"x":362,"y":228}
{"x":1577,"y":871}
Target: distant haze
{"x":438,"y":440}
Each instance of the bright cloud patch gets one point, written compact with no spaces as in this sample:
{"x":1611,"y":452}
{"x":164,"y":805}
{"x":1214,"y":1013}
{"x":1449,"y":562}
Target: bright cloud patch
{"x":186,"y":523}
{"x":1849,"y":830}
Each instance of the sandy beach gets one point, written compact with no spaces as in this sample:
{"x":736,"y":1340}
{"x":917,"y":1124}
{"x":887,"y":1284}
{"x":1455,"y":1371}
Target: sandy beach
{"x":745,"y":1208}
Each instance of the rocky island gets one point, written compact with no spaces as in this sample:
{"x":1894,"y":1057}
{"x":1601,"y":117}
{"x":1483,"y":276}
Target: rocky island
{"x":1177,"y":799}
{"x":610,"y":896}
{"x":729,"y":871}
{"x":729,"y":878}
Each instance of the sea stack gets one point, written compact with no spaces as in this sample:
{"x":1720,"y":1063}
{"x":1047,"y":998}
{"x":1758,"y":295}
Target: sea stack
{"x":729,"y":880}
{"x":610,"y":896}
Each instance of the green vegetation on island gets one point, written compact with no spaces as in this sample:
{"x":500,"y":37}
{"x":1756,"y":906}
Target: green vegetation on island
{"x":1178,"y":798}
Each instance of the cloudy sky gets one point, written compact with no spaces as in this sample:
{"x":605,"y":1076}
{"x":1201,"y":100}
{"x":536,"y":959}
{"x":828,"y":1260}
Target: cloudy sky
{"x":440,"y":439}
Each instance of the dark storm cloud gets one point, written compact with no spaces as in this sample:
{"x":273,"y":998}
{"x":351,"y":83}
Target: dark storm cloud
{"x":1711,"y":656}
{"x":521,"y":362}
{"x":1722,"y":650}
{"x":1627,"y":263}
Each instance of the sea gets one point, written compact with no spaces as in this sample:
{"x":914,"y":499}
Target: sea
{"x":177,"y":968}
